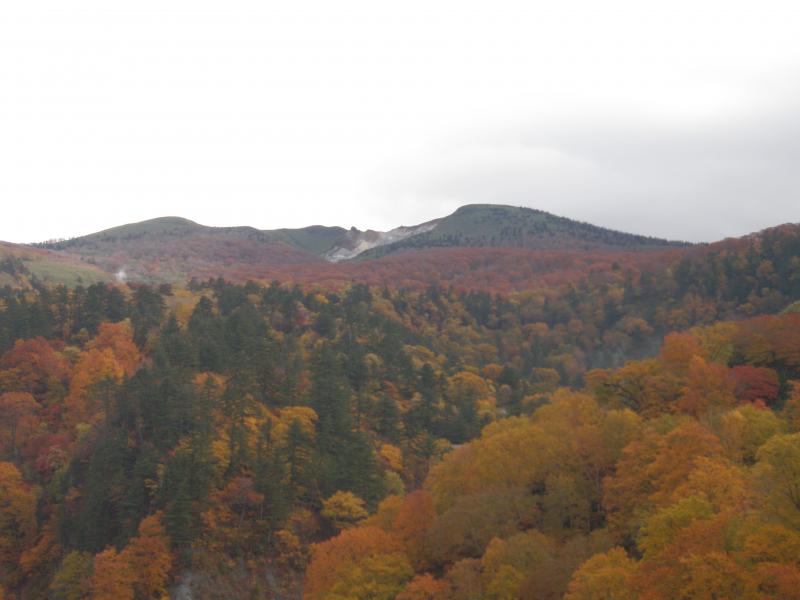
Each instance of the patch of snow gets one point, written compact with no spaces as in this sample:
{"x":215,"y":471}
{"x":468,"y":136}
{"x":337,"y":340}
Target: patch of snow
{"x":366,"y":240}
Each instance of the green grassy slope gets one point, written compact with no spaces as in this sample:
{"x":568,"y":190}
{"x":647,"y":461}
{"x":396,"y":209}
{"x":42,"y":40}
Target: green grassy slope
{"x":19,"y":265}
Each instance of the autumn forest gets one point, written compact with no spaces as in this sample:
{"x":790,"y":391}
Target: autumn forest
{"x":451,"y":422}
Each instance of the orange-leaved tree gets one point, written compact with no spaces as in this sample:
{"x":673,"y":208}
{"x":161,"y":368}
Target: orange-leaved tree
{"x":113,"y":578}
{"x":149,"y":557}
{"x":15,"y":406}
{"x":17,"y":520}
{"x":355,"y":558}
{"x":414,"y":517}
{"x":606,"y":575}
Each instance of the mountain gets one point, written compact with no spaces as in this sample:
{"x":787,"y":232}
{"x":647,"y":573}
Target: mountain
{"x":482,"y":225}
{"x":490,"y":225}
{"x":172,"y":249}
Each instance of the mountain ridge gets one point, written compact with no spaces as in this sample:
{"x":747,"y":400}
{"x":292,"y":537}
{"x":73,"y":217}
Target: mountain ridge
{"x":174,"y":249}
{"x":496,"y":244}
{"x":470,"y":225}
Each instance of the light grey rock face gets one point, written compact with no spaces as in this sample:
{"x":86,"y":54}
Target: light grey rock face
{"x":183,"y":591}
{"x":361,"y":241}
{"x":275,"y":588}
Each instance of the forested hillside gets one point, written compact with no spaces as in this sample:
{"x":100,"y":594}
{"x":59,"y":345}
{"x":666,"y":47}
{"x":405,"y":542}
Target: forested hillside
{"x":625,"y":429}
{"x":494,"y":225}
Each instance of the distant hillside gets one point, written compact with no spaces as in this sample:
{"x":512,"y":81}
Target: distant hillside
{"x":173,"y":249}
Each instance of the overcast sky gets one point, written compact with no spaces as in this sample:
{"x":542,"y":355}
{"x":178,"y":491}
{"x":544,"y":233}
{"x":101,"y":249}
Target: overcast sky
{"x":676,"y":119}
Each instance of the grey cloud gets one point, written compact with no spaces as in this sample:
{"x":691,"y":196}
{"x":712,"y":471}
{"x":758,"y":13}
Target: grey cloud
{"x":700,"y":180}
